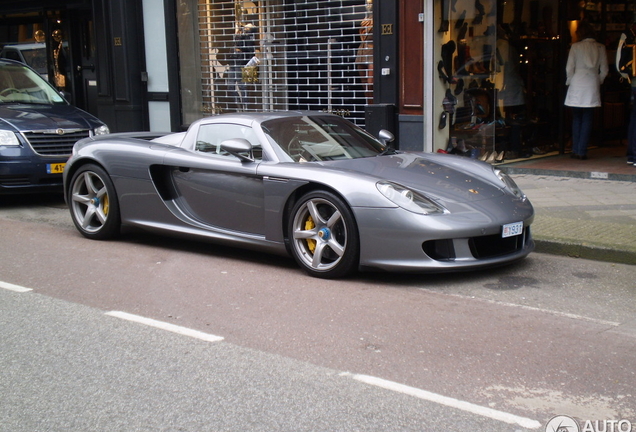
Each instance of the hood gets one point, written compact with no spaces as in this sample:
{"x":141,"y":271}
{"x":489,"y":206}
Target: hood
{"x":448,"y":178}
{"x":23,"y":117}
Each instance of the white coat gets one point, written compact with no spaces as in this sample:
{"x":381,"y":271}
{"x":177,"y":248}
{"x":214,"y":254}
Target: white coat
{"x":586,"y":70}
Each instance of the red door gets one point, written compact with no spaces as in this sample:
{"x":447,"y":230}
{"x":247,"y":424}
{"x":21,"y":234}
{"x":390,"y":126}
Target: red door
{"x":411,"y":58}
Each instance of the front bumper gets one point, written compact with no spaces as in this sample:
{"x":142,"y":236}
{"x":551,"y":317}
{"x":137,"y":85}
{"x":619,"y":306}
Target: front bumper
{"x":397,"y":240}
{"x":29,"y":176}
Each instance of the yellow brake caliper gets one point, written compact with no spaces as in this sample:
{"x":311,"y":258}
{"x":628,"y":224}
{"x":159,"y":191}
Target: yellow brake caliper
{"x":106,"y":205}
{"x":309,"y":225}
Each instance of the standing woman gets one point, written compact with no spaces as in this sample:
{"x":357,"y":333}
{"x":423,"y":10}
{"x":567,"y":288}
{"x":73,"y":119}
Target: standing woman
{"x":586,"y":70}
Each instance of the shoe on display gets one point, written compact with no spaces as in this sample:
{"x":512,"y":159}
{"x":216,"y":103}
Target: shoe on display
{"x":441,"y":72}
{"x":448,"y":49}
{"x":480,"y":8}
{"x":463,"y":28}
{"x":442,"y":120}
{"x":460,"y":86}
{"x":460,"y":21}
{"x":630,"y":162}
{"x":538,"y":151}
{"x":461,"y":146}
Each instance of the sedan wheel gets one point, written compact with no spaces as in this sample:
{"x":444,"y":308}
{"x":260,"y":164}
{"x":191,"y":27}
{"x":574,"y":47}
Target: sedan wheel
{"x":93,"y":203}
{"x":324,"y":236}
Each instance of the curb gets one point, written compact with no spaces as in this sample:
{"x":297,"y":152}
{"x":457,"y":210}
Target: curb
{"x":592,"y":175}
{"x":575,"y":250}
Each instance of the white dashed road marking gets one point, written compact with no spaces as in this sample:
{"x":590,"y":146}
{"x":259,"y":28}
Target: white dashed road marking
{"x":15,"y":288}
{"x":166,"y":326}
{"x":377,"y":382}
{"x":446,"y":401}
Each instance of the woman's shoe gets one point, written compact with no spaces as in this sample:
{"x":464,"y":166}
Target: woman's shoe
{"x":442,"y":120}
{"x":500,"y":157}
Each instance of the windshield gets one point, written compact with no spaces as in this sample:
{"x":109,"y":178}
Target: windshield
{"x":19,"y":84}
{"x":321,"y":138}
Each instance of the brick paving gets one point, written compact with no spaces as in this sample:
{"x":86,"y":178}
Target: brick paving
{"x":578,"y":214}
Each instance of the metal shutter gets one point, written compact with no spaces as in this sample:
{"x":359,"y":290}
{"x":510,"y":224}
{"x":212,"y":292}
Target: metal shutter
{"x":286,"y":55}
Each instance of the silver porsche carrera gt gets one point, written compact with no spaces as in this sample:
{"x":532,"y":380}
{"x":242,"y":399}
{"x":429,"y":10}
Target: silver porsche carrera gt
{"x":307,"y":184}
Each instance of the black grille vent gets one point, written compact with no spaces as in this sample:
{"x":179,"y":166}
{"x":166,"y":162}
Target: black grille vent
{"x":481,"y":247}
{"x":54,"y":144}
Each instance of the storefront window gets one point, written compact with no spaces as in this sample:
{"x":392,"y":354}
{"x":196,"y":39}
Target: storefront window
{"x":238,"y":56}
{"x":499,"y":72}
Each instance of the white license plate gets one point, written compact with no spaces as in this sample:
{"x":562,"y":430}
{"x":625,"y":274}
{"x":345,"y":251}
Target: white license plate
{"x":512,"y":229}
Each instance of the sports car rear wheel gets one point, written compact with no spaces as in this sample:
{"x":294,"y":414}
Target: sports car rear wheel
{"x":93,"y":203}
{"x":323,"y":235}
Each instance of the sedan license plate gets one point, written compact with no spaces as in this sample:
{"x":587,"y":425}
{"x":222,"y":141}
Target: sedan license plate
{"x":512,"y":229}
{"x":57,"y":168}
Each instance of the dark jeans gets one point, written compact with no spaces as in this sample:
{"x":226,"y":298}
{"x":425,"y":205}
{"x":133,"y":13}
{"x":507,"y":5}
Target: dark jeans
{"x":631,"y":132}
{"x":581,"y":129}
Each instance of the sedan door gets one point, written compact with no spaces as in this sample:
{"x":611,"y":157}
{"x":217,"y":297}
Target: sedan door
{"x":215,"y":188}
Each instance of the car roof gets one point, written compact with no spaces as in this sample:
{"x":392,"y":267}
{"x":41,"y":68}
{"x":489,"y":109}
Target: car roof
{"x":261,"y":116}
{"x":12,"y":62}
{"x":26,"y":45}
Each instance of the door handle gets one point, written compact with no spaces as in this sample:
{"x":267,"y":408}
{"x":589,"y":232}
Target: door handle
{"x":89,"y":67}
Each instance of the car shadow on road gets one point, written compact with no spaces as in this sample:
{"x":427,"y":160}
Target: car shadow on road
{"x":15,"y":201}
{"x":508,"y":274}
{"x":215,"y":250}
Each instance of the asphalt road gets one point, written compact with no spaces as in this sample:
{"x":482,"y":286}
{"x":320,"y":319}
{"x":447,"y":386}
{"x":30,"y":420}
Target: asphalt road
{"x":547,"y":336}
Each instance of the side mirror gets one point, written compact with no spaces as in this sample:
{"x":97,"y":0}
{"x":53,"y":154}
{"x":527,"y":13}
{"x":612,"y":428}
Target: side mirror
{"x":386,"y":137}
{"x":239,"y":147}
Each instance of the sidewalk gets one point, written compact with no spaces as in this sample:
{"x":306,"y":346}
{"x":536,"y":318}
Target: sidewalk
{"x":581,"y":217}
{"x":603,"y":163}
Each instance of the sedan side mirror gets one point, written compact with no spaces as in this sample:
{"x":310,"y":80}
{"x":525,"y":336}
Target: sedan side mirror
{"x":239,"y":147}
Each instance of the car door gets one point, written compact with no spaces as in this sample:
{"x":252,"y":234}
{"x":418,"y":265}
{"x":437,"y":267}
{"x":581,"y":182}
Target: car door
{"x":215,"y":188}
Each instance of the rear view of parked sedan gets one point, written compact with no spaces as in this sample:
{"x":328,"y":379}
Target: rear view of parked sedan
{"x":311,"y":185}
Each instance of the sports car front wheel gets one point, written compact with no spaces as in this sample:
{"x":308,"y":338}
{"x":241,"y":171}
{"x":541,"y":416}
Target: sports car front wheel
{"x":93,"y":203}
{"x":323,"y":235}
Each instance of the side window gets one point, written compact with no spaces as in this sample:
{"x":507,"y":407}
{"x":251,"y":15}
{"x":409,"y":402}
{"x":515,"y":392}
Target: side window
{"x":12,"y":55}
{"x":211,"y":136}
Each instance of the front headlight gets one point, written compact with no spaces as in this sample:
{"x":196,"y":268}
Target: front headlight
{"x":510,"y":184}
{"x":408,"y":199}
{"x":102,"y":130}
{"x":8,"y":138}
